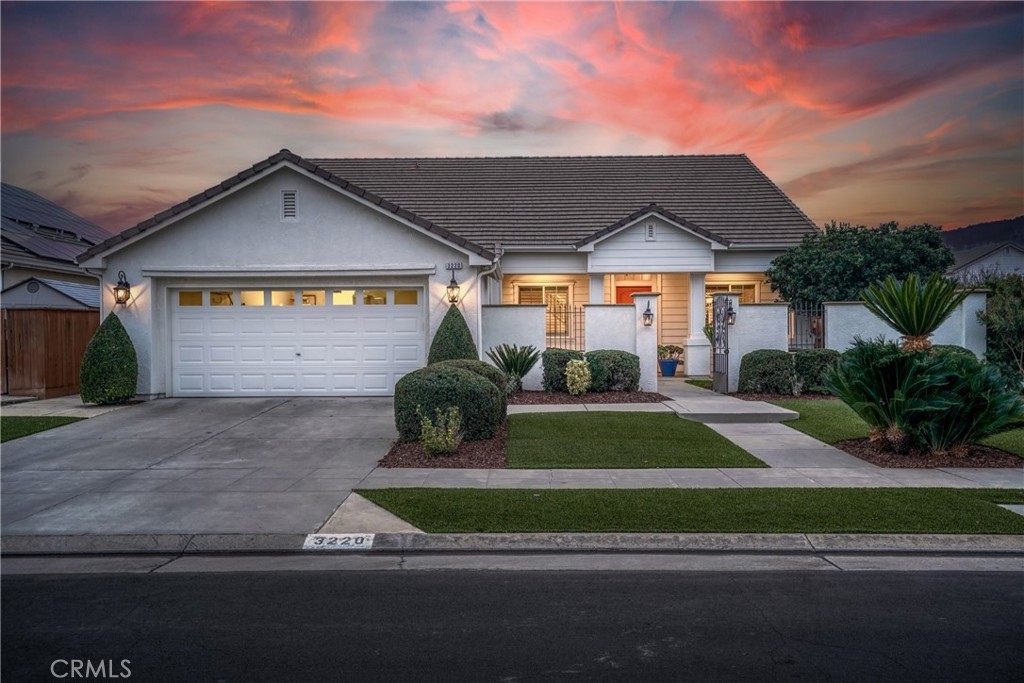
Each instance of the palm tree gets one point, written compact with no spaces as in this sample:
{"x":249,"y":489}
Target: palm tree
{"x":912,"y":308}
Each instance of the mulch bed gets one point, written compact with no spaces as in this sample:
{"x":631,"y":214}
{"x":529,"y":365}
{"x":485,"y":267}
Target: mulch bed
{"x":489,"y":454}
{"x":976,"y":456}
{"x":533,"y":398}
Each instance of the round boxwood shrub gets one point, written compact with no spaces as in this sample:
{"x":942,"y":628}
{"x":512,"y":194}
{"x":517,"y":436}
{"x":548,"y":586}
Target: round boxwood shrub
{"x":553,"y":363}
{"x":614,"y":370}
{"x":812,"y":367}
{"x":110,"y":368}
{"x":767,"y":371}
{"x":488,"y":372}
{"x":453,"y":339}
{"x":440,"y":386}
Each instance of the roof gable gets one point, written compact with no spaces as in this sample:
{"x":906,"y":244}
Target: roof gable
{"x":639,"y":215}
{"x":61,"y":294}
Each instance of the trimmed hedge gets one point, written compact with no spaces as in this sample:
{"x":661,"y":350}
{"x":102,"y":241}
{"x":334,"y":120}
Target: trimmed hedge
{"x":812,"y":367}
{"x":441,"y":386}
{"x":110,"y":367}
{"x":488,"y":372}
{"x":767,"y":371}
{"x":554,"y":362}
{"x":453,"y":339}
{"x":613,"y":370}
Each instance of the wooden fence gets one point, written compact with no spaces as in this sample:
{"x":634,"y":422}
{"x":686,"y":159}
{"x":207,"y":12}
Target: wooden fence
{"x":42,"y":350}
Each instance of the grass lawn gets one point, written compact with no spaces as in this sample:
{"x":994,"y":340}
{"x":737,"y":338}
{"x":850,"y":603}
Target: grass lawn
{"x":941,"y":511}
{"x":702,"y":383}
{"x":832,"y":421}
{"x":596,"y":440}
{"x":828,"y":421}
{"x":15,"y":426}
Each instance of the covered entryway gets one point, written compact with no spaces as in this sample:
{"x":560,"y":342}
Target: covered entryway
{"x":312,"y":341}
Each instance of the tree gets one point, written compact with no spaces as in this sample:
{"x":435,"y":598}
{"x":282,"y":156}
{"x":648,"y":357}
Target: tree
{"x":1004,"y":325}
{"x":110,"y":367}
{"x":913,"y":308}
{"x":836,"y":264}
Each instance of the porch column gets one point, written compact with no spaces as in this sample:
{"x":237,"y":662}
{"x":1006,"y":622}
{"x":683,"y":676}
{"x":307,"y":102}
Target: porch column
{"x":698,"y":348}
{"x":646,"y":339}
{"x":597,"y":288}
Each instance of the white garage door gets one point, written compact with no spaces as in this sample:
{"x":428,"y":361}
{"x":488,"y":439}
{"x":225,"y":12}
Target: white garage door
{"x":312,"y":341}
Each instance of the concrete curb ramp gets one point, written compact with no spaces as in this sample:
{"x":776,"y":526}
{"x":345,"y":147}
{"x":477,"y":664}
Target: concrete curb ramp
{"x":198,"y":544}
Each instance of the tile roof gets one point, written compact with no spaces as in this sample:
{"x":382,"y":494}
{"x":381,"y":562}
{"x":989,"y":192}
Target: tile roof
{"x":481,"y":203}
{"x":966,"y":257}
{"x":87,"y":295}
{"x":566,"y":200}
{"x":44,"y":229}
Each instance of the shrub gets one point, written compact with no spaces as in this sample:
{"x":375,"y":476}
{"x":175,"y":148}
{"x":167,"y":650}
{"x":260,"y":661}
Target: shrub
{"x":443,"y":436}
{"x":554,"y":362}
{"x":767,"y":371}
{"x":913,"y":308}
{"x":577,"y":377}
{"x":1004,"y":327}
{"x":110,"y":368}
{"x":438,"y":387}
{"x":488,"y":372}
{"x":811,"y":367}
{"x":515,"y":361}
{"x":936,"y":401}
{"x":613,"y":370}
{"x":453,"y":339}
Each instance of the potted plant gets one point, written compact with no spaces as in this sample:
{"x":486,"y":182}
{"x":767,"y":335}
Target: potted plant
{"x":669,"y":357}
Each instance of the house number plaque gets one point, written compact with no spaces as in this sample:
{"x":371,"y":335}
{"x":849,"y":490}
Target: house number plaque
{"x":338,"y":542}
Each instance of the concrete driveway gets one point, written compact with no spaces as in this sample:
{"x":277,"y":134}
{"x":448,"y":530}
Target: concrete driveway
{"x":274,"y":465}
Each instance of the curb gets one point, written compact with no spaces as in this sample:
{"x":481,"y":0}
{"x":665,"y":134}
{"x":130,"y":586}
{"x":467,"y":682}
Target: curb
{"x":199,"y":544}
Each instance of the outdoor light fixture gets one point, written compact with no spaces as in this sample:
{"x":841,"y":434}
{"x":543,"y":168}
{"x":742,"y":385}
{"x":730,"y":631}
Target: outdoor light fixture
{"x":648,"y":316}
{"x":122,"y":290}
{"x":731,"y":314}
{"x":453,"y":289}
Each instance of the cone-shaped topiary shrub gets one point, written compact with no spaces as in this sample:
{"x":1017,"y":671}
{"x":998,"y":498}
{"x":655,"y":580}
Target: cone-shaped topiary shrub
{"x":453,"y":340}
{"x":110,"y":368}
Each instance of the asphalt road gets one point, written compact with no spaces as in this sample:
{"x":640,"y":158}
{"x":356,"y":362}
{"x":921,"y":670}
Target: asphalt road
{"x":516,"y":626}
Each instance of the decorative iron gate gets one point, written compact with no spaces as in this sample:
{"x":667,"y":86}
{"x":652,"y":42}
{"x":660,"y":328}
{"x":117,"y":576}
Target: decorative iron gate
{"x":806,"y":326}
{"x":720,"y":343}
{"x":563,"y":327}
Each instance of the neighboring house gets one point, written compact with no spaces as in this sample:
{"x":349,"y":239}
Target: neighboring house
{"x":41,"y":239}
{"x":974,"y":264}
{"x":328,"y":276}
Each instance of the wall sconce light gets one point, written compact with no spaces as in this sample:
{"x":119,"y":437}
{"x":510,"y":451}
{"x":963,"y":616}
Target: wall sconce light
{"x":730,"y":314}
{"x":647,"y":316}
{"x":122,"y":290}
{"x":453,"y":289}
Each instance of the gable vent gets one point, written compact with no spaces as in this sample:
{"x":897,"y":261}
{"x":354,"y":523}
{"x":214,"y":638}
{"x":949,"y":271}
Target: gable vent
{"x":650,"y":234}
{"x":289,"y":204}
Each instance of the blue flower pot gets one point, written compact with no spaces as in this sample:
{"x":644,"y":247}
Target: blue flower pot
{"x":668,"y":367}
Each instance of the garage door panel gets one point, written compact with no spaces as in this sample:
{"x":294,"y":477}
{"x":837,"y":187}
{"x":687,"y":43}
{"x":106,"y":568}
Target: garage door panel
{"x":294,"y":350}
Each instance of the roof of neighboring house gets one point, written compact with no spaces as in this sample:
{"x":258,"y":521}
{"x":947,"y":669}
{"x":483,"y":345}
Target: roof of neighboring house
{"x":86,"y":295}
{"x":35,"y":226}
{"x":968,"y":256}
{"x":482,"y":203}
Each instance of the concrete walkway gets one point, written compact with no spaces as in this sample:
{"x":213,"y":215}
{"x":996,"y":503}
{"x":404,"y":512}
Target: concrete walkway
{"x":64,"y":406}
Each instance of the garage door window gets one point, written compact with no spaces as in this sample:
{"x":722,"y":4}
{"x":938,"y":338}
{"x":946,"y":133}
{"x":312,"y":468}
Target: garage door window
{"x":314,"y":297}
{"x":252,"y":297}
{"x":407,"y":297}
{"x":189,"y":298}
{"x":222,"y":298}
{"x":344,"y":297}
{"x":375,"y":297}
{"x":281,"y":297}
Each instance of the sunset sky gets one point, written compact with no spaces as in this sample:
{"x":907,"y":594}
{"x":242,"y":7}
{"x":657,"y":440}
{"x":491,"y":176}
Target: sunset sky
{"x":862,"y":112}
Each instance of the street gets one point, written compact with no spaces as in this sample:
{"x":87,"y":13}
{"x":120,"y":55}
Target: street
{"x":516,"y":626}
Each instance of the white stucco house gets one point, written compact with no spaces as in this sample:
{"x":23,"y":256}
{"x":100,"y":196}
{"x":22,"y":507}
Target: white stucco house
{"x":328,"y":276}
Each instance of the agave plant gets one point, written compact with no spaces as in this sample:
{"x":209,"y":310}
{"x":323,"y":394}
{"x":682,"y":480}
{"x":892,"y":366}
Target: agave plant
{"x":515,"y":361}
{"x":912,"y":308}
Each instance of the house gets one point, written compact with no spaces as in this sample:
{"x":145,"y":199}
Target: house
{"x":1005,"y":258}
{"x":329,"y":276}
{"x":41,"y":239}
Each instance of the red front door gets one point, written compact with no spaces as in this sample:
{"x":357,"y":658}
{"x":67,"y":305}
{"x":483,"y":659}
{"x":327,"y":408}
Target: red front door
{"x":622,"y":294}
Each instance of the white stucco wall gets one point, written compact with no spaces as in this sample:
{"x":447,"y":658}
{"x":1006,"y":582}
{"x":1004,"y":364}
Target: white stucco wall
{"x":242,"y":239}
{"x":845,"y":320}
{"x":518,"y":325}
{"x":758,"y":326}
{"x":610,"y":326}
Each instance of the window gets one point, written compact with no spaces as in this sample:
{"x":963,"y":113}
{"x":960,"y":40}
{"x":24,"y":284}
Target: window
{"x":252,"y":297}
{"x":407,"y":297}
{"x":748,"y":295}
{"x":282,"y":297}
{"x":189,"y":298}
{"x":222,"y":298}
{"x":343,"y":297}
{"x":289,"y":204}
{"x":314,"y":297}
{"x":375,"y":297}
{"x":556,"y":298}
